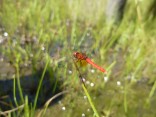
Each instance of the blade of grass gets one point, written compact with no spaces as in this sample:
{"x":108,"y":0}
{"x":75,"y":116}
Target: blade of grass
{"x":18,"y":78}
{"x":26,"y":107}
{"x":40,"y":83}
{"x":13,"y":110}
{"x":42,"y":113}
{"x":125,"y":99}
{"x":90,"y":101}
{"x":14,"y":91}
{"x":152,"y":90}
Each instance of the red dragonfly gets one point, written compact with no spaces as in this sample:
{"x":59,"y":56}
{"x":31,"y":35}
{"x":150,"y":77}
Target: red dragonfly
{"x":81,"y":56}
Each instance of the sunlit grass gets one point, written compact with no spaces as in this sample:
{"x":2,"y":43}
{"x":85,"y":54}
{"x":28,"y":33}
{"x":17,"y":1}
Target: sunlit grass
{"x":48,"y":32}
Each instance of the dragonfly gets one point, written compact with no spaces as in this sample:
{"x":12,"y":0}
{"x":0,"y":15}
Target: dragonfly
{"x":82,"y":57}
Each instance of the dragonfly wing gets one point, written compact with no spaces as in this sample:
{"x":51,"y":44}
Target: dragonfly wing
{"x":83,"y":63}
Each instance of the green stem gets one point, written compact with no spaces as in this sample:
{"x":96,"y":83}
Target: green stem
{"x":85,"y":90}
{"x":152,"y":90}
{"x":14,"y":91}
{"x":19,"y":84}
{"x":40,"y":83}
{"x":90,"y":101}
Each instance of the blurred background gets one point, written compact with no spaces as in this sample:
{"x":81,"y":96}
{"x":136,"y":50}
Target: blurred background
{"x":37,"y":42}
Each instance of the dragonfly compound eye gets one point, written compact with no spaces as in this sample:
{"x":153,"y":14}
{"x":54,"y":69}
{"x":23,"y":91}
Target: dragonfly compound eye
{"x":75,"y":54}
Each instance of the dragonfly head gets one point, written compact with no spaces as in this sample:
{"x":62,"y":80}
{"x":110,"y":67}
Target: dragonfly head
{"x":75,"y":54}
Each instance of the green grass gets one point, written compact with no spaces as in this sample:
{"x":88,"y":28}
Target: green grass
{"x":46,"y":33}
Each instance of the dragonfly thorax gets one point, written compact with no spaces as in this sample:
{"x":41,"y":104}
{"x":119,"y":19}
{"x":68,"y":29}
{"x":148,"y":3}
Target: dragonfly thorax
{"x":80,"y":56}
